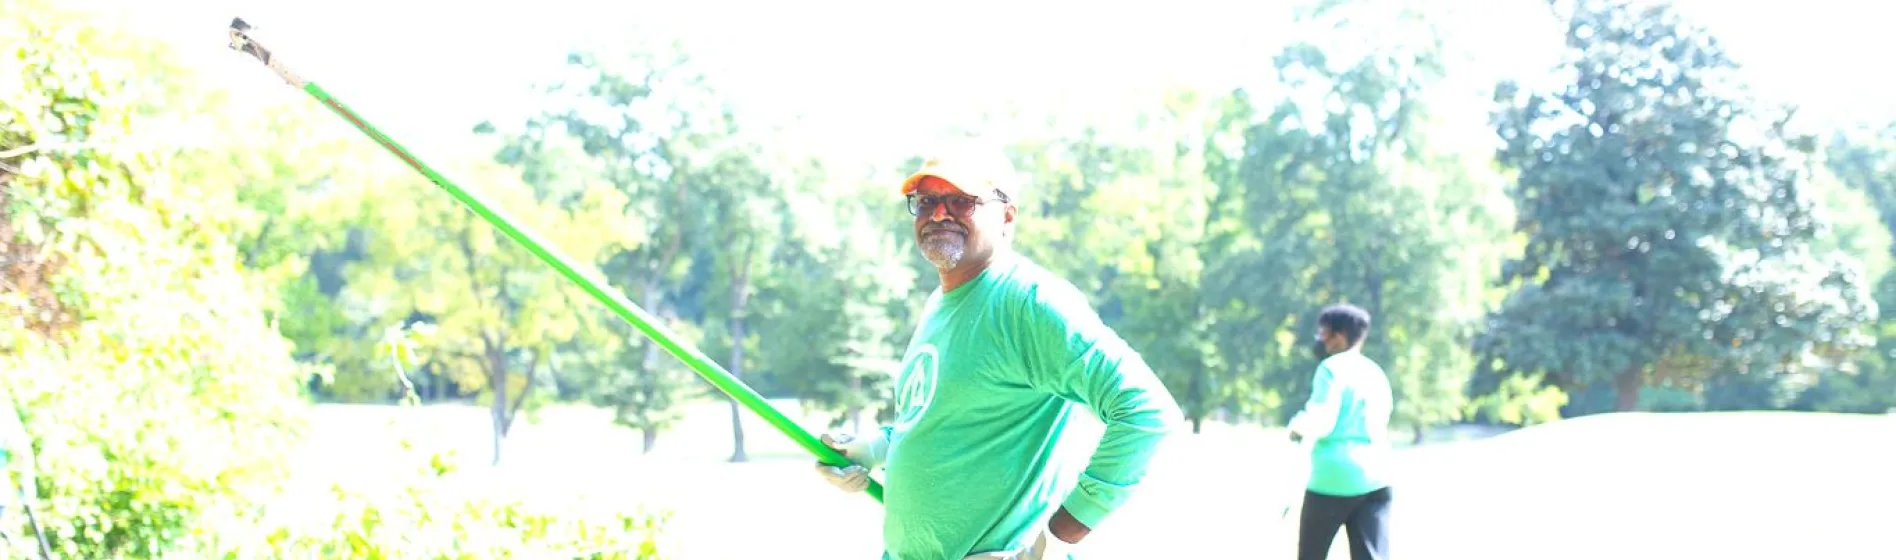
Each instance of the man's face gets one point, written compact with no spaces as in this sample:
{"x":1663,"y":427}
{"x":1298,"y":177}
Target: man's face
{"x":952,"y":227}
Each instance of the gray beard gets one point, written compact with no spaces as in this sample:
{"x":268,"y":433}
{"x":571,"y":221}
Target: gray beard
{"x":944,"y":252}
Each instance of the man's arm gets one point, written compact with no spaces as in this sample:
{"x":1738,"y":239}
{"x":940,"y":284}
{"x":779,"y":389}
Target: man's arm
{"x":1318,"y":416}
{"x":1071,"y":353}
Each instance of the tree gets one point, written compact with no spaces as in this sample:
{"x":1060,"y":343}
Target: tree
{"x":630,"y":123}
{"x":1337,"y":194}
{"x":1159,"y":283}
{"x":828,"y":316}
{"x":746,"y":229}
{"x":294,"y":193}
{"x":1669,"y":221}
{"x":498,"y":312}
{"x":1118,"y":208}
{"x":1856,"y":230}
{"x":1863,"y":161}
{"x":133,"y":339}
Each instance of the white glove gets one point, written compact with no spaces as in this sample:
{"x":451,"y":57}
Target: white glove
{"x":1297,"y":426}
{"x":866,"y":453}
{"x":1045,"y":546}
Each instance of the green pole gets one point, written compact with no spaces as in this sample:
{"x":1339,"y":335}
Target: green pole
{"x":612,"y":299}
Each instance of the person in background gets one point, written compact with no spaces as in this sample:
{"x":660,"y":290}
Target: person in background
{"x":1345,"y":425}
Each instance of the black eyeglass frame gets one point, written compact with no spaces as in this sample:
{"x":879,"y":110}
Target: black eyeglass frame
{"x":959,"y":205}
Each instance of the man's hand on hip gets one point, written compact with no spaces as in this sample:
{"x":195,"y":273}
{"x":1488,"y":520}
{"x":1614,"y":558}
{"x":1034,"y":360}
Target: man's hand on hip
{"x":864,"y":453}
{"x":1045,"y":546}
{"x":1055,"y":541}
{"x":1066,"y":528}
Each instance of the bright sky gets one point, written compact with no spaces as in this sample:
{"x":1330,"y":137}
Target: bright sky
{"x":878,"y":77}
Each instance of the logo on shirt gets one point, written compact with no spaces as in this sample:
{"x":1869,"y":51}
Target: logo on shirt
{"x":918,"y":387}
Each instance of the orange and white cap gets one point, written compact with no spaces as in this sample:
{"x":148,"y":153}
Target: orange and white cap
{"x":976,"y":168}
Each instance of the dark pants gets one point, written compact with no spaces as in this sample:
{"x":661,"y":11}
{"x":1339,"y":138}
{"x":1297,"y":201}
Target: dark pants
{"x":1365,"y":519}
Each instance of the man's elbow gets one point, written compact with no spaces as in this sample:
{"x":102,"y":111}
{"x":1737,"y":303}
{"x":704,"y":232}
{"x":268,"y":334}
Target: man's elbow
{"x":1144,"y":428}
{"x":1171,"y":415}
{"x":1156,"y":408}
{"x":1162,"y":418}
{"x":1158,"y":416}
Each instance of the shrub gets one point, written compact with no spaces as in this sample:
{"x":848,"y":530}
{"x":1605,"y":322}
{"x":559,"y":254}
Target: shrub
{"x":435,"y":513}
{"x":159,"y":410}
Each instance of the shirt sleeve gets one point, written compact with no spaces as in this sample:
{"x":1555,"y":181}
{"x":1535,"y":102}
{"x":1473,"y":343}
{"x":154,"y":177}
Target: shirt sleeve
{"x":1318,"y":416}
{"x":1072,"y":354}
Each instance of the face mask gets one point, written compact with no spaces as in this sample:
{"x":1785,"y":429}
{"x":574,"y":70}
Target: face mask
{"x":1318,"y":350}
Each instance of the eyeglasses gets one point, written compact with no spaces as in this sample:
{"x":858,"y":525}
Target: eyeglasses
{"x":960,"y":205}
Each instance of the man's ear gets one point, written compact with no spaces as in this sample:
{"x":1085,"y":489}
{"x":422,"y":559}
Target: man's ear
{"x":1007,"y":217}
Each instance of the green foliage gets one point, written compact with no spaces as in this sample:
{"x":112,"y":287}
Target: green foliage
{"x":293,"y":222}
{"x":1519,"y":400}
{"x":621,"y":131}
{"x":437,"y":513}
{"x":748,"y":234}
{"x":838,"y":354}
{"x":1121,"y":214}
{"x":159,"y":399}
{"x":1337,"y":196}
{"x":169,"y":399}
{"x":178,"y":262}
{"x":498,"y":312}
{"x":1863,"y":161}
{"x":1671,"y":222}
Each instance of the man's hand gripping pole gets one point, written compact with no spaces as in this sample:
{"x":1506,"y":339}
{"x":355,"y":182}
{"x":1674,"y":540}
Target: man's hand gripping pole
{"x":240,"y":40}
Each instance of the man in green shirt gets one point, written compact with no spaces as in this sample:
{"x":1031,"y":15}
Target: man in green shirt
{"x":1346,"y":422}
{"x":1003,"y":358}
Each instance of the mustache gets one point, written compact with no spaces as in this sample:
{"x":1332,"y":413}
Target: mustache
{"x":942,"y":226}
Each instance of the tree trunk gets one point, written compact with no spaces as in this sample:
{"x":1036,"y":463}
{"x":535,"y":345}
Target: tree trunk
{"x":493,"y":345}
{"x":1421,"y":433}
{"x":647,"y":375}
{"x":740,"y":296}
{"x":497,"y":379}
{"x":513,"y":410}
{"x":855,"y":410}
{"x":737,"y":433}
{"x":505,"y":408}
{"x":1194,"y":396}
{"x":1626,"y":390}
{"x":1198,"y":423}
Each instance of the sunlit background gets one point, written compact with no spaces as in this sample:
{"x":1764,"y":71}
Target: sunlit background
{"x":248,"y":266}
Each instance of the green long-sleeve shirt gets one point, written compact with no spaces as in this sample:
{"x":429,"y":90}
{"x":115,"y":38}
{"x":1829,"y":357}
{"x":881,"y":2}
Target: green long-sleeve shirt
{"x":1347,"y":418}
{"x":993,"y":374}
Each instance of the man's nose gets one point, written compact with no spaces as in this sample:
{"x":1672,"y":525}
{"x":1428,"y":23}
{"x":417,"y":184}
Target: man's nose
{"x":938,"y":212}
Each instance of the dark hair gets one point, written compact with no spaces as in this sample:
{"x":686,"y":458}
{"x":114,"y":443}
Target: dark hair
{"x":1348,"y":320}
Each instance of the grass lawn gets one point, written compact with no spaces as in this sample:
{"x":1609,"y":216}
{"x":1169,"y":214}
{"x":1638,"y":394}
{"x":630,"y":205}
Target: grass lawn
{"x":1626,"y":487}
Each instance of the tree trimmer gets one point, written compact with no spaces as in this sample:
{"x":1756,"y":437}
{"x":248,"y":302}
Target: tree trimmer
{"x":240,"y":40}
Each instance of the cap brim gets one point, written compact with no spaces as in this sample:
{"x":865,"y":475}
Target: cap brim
{"x":915,"y":180}
{"x":909,"y":184}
